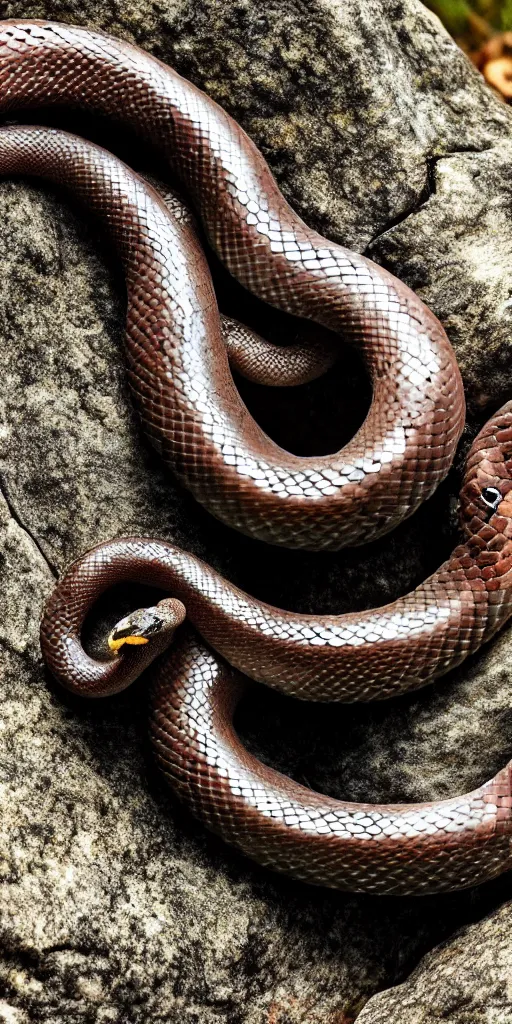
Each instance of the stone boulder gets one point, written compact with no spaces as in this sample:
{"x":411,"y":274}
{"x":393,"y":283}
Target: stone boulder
{"x":115,"y":905}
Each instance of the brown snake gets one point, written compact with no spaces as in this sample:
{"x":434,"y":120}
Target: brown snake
{"x":191,"y":410}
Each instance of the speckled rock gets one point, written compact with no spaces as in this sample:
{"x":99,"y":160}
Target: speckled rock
{"x":464,"y":981}
{"x":115,"y":906}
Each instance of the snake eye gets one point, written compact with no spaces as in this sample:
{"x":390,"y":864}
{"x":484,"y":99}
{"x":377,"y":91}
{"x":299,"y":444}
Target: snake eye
{"x":492,"y":497}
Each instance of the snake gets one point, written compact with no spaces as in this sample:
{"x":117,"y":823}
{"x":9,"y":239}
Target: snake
{"x":178,"y":365}
{"x":178,"y":350}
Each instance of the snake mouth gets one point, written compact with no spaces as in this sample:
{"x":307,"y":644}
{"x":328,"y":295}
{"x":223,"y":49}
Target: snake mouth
{"x":135,"y":629}
{"x":116,"y":642}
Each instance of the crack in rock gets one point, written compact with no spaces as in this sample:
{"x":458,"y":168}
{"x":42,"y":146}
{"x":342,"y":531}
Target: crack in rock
{"x":429,"y":190}
{"x":25,"y":529}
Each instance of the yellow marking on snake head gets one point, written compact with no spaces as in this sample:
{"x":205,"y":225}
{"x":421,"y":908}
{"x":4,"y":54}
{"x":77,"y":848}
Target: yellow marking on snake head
{"x":133,"y":640}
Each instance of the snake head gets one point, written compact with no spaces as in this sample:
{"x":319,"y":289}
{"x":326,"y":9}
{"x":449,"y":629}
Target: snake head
{"x":154,"y":626}
{"x":486,"y":498}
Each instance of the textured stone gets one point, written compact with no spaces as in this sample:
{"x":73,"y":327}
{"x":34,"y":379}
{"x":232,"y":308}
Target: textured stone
{"x":464,"y":981}
{"x":116,"y":906}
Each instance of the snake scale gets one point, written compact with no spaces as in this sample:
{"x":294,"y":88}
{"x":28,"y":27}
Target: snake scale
{"x":177,"y":352}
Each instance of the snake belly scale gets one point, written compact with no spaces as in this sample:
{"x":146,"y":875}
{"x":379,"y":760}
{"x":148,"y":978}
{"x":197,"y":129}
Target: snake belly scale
{"x":180,"y":377}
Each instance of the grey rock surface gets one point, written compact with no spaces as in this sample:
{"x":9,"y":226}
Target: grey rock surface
{"x":115,"y":906}
{"x":465,"y":981}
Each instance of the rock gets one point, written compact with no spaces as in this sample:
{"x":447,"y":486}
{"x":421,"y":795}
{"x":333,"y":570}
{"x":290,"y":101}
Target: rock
{"x":465,"y":279}
{"x":116,"y":906}
{"x":464,"y":981}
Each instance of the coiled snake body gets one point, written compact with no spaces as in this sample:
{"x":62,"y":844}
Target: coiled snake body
{"x":179,"y":372}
